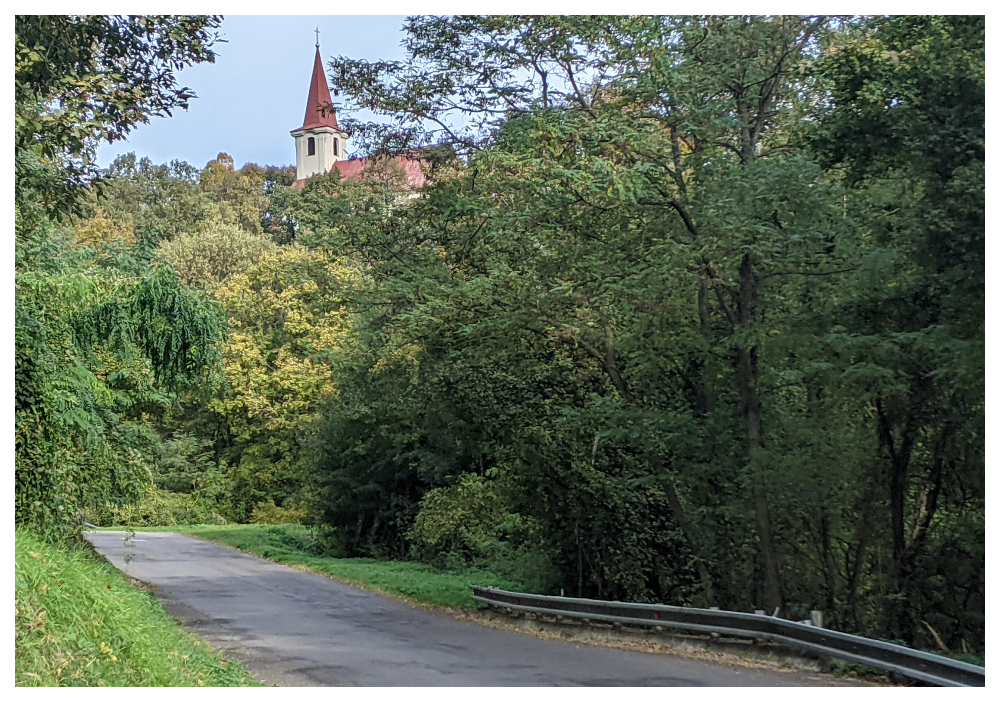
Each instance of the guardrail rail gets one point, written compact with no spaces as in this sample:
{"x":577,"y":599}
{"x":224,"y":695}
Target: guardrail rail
{"x":919,"y":665}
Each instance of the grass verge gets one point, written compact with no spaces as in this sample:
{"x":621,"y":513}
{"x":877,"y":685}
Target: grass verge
{"x":293,"y":545}
{"x":78,"y":621}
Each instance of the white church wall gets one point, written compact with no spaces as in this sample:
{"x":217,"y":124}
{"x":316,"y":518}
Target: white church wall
{"x":322,"y":161}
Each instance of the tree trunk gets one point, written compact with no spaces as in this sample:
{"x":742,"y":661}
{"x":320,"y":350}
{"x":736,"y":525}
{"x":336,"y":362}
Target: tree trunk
{"x":746,"y":378}
{"x":860,"y":554}
{"x":829,"y":563}
{"x":579,"y":562}
{"x":902,"y":621}
{"x":687,"y":528}
{"x":692,"y":538}
{"x":772,"y":582}
{"x":707,"y":390}
{"x":899,"y":459}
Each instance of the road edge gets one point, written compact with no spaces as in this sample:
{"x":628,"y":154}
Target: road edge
{"x":739,"y":653}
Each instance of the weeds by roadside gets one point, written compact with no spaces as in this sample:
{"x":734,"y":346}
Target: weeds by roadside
{"x":78,"y":621}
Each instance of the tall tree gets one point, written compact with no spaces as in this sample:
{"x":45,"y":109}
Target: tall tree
{"x":637,"y":133}
{"x":906,"y":123}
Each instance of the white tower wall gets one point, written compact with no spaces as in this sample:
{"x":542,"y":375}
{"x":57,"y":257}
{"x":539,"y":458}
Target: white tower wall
{"x":322,"y":161}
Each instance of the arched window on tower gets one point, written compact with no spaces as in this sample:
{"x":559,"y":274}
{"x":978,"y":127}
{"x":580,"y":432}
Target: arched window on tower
{"x":336,"y":151}
{"x":312,"y":146}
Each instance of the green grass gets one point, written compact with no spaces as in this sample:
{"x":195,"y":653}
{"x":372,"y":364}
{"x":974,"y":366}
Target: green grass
{"x":291,"y":544}
{"x":78,"y":621}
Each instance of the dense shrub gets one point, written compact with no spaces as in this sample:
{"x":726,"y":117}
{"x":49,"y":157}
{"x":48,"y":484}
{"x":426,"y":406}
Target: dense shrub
{"x":157,"y":508}
{"x":268,"y":513}
{"x":462,"y":523}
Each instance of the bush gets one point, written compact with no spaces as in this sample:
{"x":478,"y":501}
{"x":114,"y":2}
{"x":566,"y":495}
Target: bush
{"x":460,"y":524}
{"x":469,"y":524}
{"x":269,"y":513}
{"x":158,"y":508}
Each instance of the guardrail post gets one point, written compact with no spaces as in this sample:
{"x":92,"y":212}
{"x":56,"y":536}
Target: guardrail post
{"x":758,"y":641}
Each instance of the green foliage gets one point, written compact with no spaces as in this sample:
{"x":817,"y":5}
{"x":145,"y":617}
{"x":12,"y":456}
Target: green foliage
{"x":102,"y":339}
{"x":79,"y":622}
{"x":177,"y":329}
{"x":269,"y":513}
{"x":157,"y":202}
{"x":183,"y":462}
{"x":82,"y":79}
{"x":690,"y":311}
{"x":286,"y":318}
{"x":206,"y":258}
{"x":328,"y":210}
{"x":710,"y":367}
{"x":911,"y":93}
{"x":470,"y":524}
{"x":241,"y":195}
{"x":93,"y":354}
{"x":462,"y":522}
{"x":157,"y":507}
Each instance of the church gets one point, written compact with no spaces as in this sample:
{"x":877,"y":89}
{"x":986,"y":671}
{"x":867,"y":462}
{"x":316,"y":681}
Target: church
{"x":321,"y":145}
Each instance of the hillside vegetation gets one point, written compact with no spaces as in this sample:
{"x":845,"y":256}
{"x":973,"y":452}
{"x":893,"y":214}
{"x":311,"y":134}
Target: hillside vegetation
{"x":690,"y":310}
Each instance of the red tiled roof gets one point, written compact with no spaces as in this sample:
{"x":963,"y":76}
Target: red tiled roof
{"x":353,"y":169}
{"x":319,"y":96}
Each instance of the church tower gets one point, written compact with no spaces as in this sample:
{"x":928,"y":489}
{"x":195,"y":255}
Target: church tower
{"x":319,"y":142}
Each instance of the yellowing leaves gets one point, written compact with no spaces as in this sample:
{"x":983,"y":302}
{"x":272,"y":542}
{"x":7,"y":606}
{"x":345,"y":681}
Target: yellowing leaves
{"x":406,"y":354}
{"x":101,"y":229}
{"x":286,"y":318}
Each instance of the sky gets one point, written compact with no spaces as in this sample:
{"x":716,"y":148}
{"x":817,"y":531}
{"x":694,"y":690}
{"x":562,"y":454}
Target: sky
{"x":255,"y":92}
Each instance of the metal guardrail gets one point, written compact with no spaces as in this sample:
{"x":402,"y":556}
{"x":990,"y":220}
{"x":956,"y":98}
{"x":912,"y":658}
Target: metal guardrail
{"x":918,"y":665}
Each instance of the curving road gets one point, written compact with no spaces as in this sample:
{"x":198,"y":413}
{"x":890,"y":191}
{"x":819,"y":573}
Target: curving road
{"x":292,"y":628}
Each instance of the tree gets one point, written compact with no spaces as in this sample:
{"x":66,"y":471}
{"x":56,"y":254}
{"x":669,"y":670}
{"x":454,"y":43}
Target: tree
{"x":286,"y":318}
{"x":668,"y":137}
{"x":98,"y":348}
{"x":241,"y":195}
{"x":93,"y":354}
{"x":906,"y":123}
{"x":206,"y":259}
{"x":159,"y":202}
{"x":649,"y":252}
{"x":82,"y":79}
{"x":318,"y":213}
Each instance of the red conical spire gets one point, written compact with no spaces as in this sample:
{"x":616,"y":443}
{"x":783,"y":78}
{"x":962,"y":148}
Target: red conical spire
{"x":319,"y":96}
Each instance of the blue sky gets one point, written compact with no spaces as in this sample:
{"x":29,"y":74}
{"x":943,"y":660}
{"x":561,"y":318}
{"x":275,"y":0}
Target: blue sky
{"x":255,"y":92}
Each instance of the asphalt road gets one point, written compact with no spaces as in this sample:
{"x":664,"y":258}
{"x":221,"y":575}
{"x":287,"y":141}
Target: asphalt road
{"x":292,"y":628}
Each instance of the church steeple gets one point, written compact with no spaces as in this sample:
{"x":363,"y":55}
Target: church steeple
{"x":319,"y":96}
{"x":319,"y":143}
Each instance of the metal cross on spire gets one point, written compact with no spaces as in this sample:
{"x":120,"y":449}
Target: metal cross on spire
{"x":317,"y":37}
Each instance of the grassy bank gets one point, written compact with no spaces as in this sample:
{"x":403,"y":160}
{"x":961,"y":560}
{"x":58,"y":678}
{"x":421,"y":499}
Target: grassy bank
{"x":293,"y":545}
{"x":78,"y":621}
